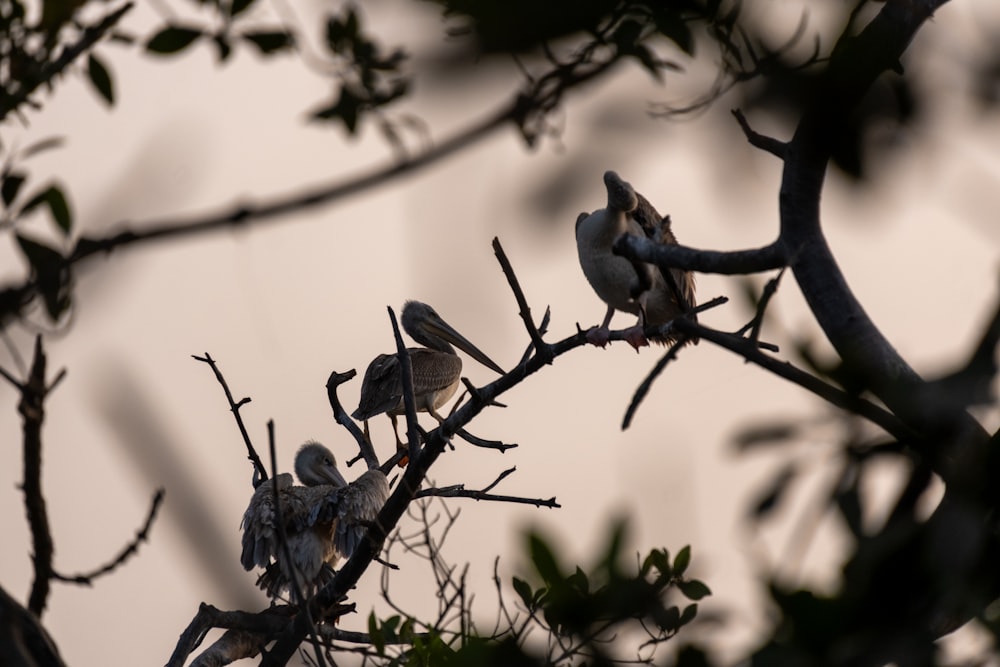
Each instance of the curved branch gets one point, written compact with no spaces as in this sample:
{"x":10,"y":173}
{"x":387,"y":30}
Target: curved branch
{"x":728,"y":262}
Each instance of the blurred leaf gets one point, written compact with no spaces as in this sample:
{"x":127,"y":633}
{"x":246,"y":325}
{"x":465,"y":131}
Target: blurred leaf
{"x":222,"y":46}
{"x":341,"y":35}
{"x":774,"y":493}
{"x":579,"y":581}
{"x":767,"y":434}
{"x":375,"y":634}
{"x":172,"y":39}
{"x":688,"y":614}
{"x":53,"y":197}
{"x":693,"y":589}
{"x":682,"y":560}
{"x":270,"y":42}
{"x":660,"y":559}
{"x":54,"y":281}
{"x":523,"y":590}
{"x":544,"y":560}
{"x":347,"y":109}
{"x":100,"y":78}
{"x":11,"y":185}
{"x":672,"y":26}
{"x":42,"y":146}
{"x":240,"y":6}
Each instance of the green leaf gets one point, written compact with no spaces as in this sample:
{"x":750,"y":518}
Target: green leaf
{"x":375,"y":634}
{"x":523,"y":590}
{"x":681,"y":561}
{"x":693,"y":589}
{"x":100,"y":78}
{"x":269,"y":42}
{"x":688,"y":614}
{"x":11,"y":185}
{"x":172,"y":39}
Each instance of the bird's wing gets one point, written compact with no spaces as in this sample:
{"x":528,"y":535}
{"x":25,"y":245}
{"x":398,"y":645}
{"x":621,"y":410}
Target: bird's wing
{"x":382,"y":387}
{"x":657,"y":228}
{"x":259,"y":523}
{"x":433,"y":370}
{"x":359,"y":506}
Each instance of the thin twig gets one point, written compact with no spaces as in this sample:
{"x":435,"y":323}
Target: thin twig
{"x":769,"y":144}
{"x":409,"y":400}
{"x":541,"y":347}
{"x":260,"y":472}
{"x":130,"y":549}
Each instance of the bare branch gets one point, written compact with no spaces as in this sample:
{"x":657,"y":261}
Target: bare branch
{"x":643,"y":389}
{"x":367,"y":452}
{"x":763,"y":142}
{"x":459,"y":491}
{"x":749,"y":351}
{"x":541,"y":347}
{"x":409,"y":400}
{"x":671,"y":256}
{"x":260,"y":473}
{"x":130,"y":549}
{"x":32,"y":410}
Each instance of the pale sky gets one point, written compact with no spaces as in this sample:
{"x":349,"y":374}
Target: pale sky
{"x":283,"y":304}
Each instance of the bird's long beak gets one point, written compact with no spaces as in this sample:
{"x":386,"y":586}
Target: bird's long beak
{"x":333,"y":476}
{"x":444,"y":330}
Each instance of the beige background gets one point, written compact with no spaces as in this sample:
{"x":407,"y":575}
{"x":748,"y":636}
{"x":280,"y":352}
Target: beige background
{"x":283,"y":304}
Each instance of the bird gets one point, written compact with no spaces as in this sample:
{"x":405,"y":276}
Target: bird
{"x":437,"y":369}
{"x":323,"y":521}
{"x":656,"y":296}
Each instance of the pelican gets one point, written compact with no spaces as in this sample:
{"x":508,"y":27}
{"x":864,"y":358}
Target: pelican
{"x":323,"y":522}
{"x":633,"y":287}
{"x":437,"y":369}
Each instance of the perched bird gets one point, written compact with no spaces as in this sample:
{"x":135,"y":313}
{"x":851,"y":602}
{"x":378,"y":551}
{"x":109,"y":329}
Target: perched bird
{"x":654,"y":295}
{"x":323,"y":522}
{"x":437,"y":369}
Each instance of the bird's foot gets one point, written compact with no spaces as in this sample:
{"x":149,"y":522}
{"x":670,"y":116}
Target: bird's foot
{"x":636,"y":337}
{"x":404,"y":460}
{"x":598,"y":336}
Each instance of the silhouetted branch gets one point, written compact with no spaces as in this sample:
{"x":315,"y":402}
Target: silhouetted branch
{"x":260,"y":473}
{"x":32,"y":409}
{"x":754,"y":325}
{"x":266,"y":624}
{"x":749,"y":351}
{"x":670,"y":256}
{"x":366,"y":451}
{"x":409,"y":400}
{"x":763,"y":142}
{"x":541,"y":348}
{"x":459,"y":491}
{"x":130,"y":549}
{"x":643,"y":389}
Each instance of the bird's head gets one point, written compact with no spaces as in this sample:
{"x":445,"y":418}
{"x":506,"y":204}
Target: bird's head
{"x":428,"y":328}
{"x":314,"y":465}
{"x":621,"y":195}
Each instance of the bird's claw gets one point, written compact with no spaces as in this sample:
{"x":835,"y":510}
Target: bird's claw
{"x":636,"y":337}
{"x":598,"y":336}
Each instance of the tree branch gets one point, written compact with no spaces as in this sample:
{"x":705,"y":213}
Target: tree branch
{"x":130,"y":549}
{"x":366,"y":451}
{"x":260,"y":472}
{"x":763,"y":142}
{"x":670,"y":256}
